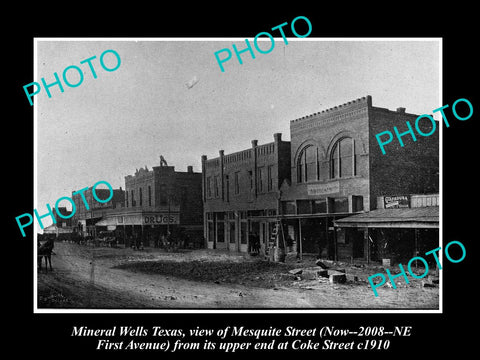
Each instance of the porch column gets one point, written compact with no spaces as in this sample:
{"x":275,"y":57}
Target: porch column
{"x":300,"y":237}
{"x":368,"y":245}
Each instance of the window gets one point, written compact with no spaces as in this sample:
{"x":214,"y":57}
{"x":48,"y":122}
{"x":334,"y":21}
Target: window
{"x":232,"y":232}
{"x":250,"y":175}
{"x":211,"y":232}
{"x":307,"y":164}
{"x":149,"y":195}
{"x":357,"y":203}
{"x":269,"y":178}
{"x":289,"y":207}
{"x":163,"y":194}
{"x":133,"y":198}
{"x":318,"y":165}
{"x":337,"y":205}
{"x":126,"y":198}
{"x":243,"y":232}
{"x":183,"y":196}
{"x":209,"y":187}
{"x":236,"y":183}
{"x":220,"y":231}
{"x":319,"y":206}
{"x":141,"y":198}
{"x":300,"y":170}
{"x":304,"y":207}
{"x":215,"y":184}
{"x":227,"y":188}
{"x":342,"y":160}
{"x":260,"y":179}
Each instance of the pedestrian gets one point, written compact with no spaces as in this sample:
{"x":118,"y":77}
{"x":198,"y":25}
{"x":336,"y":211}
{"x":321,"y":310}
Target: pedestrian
{"x":256,"y":243}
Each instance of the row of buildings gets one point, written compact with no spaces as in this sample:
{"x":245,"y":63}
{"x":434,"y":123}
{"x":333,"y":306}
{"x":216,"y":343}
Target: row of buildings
{"x":328,"y":191}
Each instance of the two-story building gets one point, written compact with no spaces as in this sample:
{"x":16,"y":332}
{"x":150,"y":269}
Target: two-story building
{"x":331,"y":169}
{"x":158,"y":201}
{"x":239,"y":190}
{"x":338,"y":170}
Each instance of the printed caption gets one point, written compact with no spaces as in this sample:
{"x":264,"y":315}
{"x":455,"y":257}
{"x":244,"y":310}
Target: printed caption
{"x":231,"y":339}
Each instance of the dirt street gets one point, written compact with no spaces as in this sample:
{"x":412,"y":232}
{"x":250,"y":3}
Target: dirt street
{"x":117,"y":278}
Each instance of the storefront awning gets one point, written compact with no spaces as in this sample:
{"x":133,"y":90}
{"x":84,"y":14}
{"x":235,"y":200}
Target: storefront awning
{"x":107,"y":222}
{"x":54,"y":229}
{"x":421,"y":217}
{"x":300,"y":216}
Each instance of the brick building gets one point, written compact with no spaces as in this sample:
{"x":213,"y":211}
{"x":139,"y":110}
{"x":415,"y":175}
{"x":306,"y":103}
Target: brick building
{"x":84,"y":220}
{"x":338,"y":170}
{"x":331,"y":169}
{"x":240,"y":189}
{"x":157,"y":202}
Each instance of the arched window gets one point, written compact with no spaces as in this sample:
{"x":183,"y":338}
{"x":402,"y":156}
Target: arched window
{"x":307,"y":164}
{"x":342,"y":158}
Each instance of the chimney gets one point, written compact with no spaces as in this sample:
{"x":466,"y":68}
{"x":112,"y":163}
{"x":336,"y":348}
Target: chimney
{"x":254,"y":143}
{"x":190,"y":168}
{"x":277,"y":137}
{"x":401,"y":110}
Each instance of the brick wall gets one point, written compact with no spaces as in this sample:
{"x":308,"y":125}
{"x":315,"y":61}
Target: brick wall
{"x":411,"y":169}
{"x":248,"y":173}
{"x":321,"y":131}
{"x":170,"y":190}
{"x":188,"y":192}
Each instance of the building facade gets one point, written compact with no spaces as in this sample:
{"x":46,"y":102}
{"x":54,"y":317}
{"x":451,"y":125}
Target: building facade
{"x":84,"y":220}
{"x":338,"y":170}
{"x":158,"y":202}
{"x":332,"y":168}
{"x":400,"y":228}
{"x":240,"y":191}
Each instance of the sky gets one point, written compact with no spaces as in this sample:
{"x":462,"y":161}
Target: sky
{"x":170,"y":98}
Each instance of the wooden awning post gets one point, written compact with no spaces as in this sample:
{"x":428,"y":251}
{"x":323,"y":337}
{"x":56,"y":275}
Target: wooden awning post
{"x":335,"y":241}
{"x":300,"y":236}
{"x":368,"y":245}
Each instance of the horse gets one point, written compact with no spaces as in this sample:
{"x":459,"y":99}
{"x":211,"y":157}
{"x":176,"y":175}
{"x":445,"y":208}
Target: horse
{"x":45,"y":251}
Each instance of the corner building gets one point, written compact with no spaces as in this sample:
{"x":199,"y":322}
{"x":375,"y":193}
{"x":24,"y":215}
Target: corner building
{"x":338,"y":169}
{"x":156,"y":202}
{"x":161,"y":201}
{"x":331,"y":169}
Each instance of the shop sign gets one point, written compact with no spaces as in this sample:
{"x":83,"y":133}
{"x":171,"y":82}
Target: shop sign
{"x":161,"y":219}
{"x":322,"y":189}
{"x":396,"y":202}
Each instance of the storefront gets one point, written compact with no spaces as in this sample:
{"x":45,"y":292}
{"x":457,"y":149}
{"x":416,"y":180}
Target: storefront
{"x":234,"y":230}
{"x":389,"y":235}
{"x":300,"y":234}
{"x":149,"y":227}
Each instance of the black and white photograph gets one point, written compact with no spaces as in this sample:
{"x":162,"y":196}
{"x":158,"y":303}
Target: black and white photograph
{"x":240,"y":183}
{"x":256,"y":187}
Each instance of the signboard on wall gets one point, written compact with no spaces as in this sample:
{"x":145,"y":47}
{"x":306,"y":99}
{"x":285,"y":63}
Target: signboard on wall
{"x":396,"y":202}
{"x":322,"y":189}
{"x":161,"y":219}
